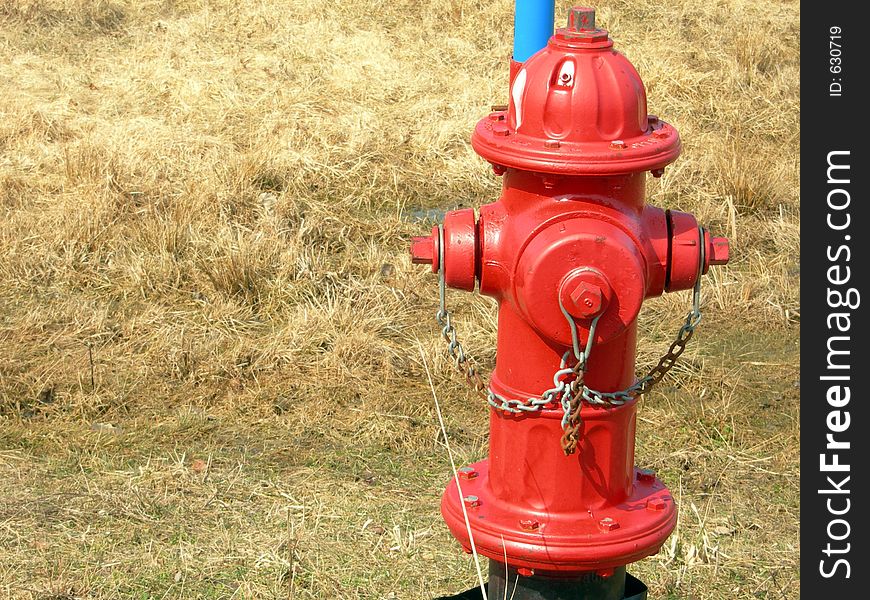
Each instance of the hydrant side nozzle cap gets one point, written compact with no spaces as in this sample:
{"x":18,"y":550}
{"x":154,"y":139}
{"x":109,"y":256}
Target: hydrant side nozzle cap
{"x":718,"y":251}
{"x":421,"y":251}
{"x":424,"y":250}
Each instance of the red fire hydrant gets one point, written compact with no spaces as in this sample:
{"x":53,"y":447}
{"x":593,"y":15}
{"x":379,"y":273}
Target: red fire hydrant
{"x":570,"y":252}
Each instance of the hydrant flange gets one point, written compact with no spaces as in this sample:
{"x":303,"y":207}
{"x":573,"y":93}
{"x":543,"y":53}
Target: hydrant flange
{"x":586,"y":540}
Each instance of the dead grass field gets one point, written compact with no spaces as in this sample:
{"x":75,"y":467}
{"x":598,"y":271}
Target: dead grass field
{"x":210,"y":381}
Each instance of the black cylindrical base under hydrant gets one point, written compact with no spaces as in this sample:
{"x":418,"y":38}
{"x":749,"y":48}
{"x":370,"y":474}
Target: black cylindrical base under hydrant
{"x":507,"y":583}
{"x":587,"y":586}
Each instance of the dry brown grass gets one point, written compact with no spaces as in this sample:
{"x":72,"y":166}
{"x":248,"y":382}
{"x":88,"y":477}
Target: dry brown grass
{"x":209,"y":378}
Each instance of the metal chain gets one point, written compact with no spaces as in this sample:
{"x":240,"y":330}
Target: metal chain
{"x":560,"y":393}
{"x":569,"y":389}
{"x":564,"y":388}
{"x":572,"y":422}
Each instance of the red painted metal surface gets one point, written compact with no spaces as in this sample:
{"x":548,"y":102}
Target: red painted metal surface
{"x":571,"y":224}
{"x":577,"y":107}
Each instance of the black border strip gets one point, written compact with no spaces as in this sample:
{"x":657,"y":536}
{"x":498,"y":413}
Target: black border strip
{"x":834,"y":223}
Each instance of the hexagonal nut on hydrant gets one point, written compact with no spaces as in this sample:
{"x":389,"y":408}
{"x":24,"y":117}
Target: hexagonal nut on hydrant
{"x":529,"y":524}
{"x":608,"y":524}
{"x":588,"y":300}
{"x":471,"y":501}
{"x":656,"y":504}
{"x":467,"y":473}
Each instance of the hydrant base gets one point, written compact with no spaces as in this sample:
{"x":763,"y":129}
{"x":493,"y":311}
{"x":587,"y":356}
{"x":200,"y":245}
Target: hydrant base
{"x":537,"y":588}
{"x":507,"y":581}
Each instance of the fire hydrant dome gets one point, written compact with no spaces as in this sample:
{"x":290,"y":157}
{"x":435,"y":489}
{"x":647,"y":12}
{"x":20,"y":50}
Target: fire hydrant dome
{"x":577,"y":107}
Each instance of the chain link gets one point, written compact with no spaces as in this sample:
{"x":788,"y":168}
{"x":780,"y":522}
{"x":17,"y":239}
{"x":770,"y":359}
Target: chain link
{"x":569,"y":390}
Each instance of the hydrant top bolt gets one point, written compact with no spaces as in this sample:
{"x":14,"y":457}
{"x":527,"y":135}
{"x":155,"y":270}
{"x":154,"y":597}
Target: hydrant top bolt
{"x":581,"y":18}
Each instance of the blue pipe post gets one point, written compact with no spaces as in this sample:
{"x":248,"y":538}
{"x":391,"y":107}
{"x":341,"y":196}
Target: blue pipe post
{"x":533,"y":26}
